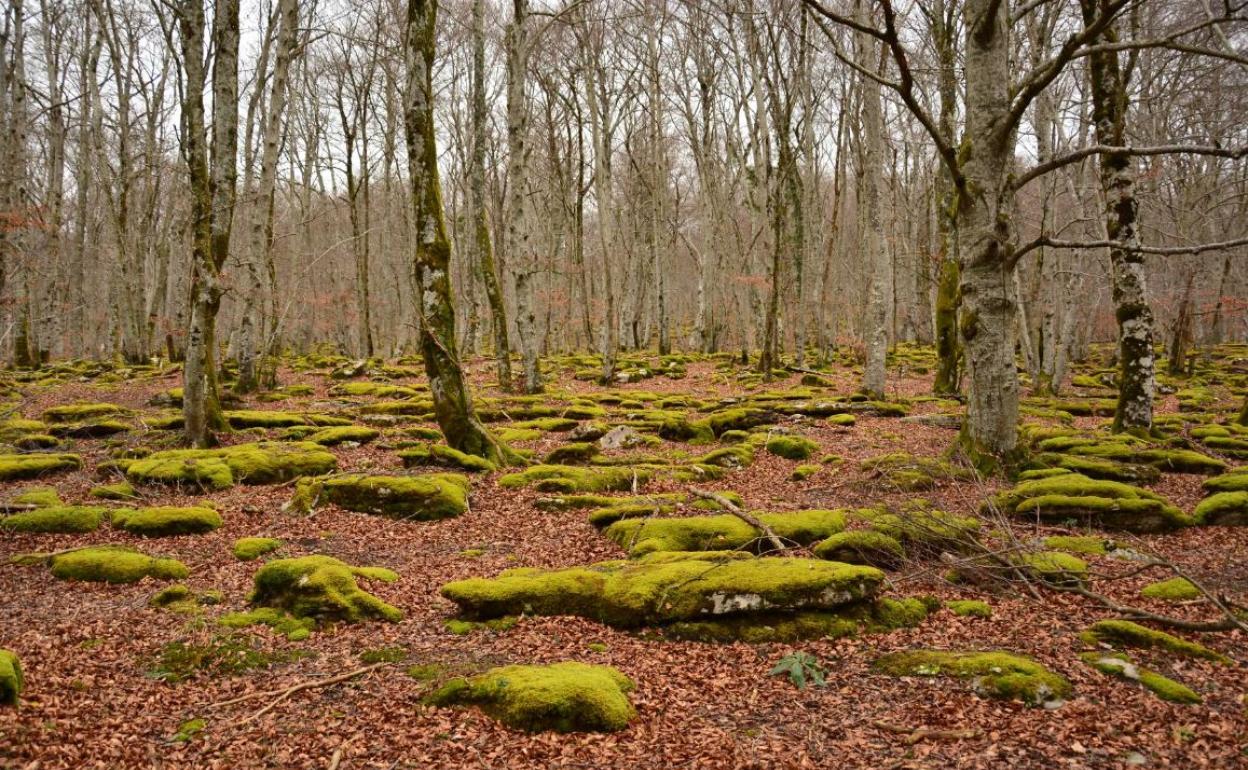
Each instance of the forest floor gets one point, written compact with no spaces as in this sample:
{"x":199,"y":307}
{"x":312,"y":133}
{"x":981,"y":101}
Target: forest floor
{"x":96,"y":695}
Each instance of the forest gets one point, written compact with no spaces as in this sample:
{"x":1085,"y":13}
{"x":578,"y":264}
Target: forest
{"x":635,"y":384}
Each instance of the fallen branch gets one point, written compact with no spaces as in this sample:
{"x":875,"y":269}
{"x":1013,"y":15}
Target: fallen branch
{"x":750,"y":519}
{"x":283,"y":694}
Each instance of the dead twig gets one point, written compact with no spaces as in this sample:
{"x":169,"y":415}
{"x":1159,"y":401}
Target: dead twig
{"x":750,"y":519}
{"x":281,"y":695}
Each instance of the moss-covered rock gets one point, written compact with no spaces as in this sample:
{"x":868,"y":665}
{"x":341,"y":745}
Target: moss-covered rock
{"x":12,"y":682}
{"x":803,"y":472}
{"x":321,"y":588}
{"x":969,"y":608}
{"x":792,"y":447}
{"x":1235,"y":480}
{"x":574,"y":453}
{"x":40,"y":497}
{"x":668,"y":587}
{"x":721,"y":533}
{"x":445,"y":457}
{"x":1126,"y":633}
{"x":564,"y":697}
{"x":1223,"y":509}
{"x":166,"y":521}
{"x":265,"y":462}
{"x":255,"y":418}
{"x":1106,"y":504}
{"x":568,"y":478}
{"x":293,"y":628}
{"x":995,"y":674}
{"x":1056,"y":567}
{"x":114,"y":564}
{"x":425,"y":497}
{"x":922,"y":530}
{"x":733,"y":456}
{"x":122,"y":490}
{"x":80,"y":412}
{"x":911,"y":473}
{"x":93,"y":429}
{"x":57,"y":519}
{"x":1120,"y":666}
{"x":1176,"y":589}
{"x":252,"y":548}
{"x":13,"y":467}
{"x":862,"y":547}
{"x":1087,"y":544}
{"x":871,"y":617}
{"x":343,"y":434}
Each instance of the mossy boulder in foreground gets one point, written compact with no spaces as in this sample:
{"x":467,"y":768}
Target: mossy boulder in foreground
{"x":425,"y":497}
{"x":166,"y":521}
{"x":322,"y":588}
{"x":114,"y":564}
{"x":565,"y":697}
{"x":994,"y":674}
{"x":57,"y":519}
{"x":31,"y":466}
{"x":265,"y":462}
{"x":667,"y":587}
{"x":1224,"y":509}
{"x":11,"y":680}
{"x":1105,"y":504}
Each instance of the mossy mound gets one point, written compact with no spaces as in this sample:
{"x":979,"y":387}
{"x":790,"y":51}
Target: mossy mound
{"x":1176,"y":589}
{"x":179,"y":598}
{"x":922,"y":530}
{"x":321,"y":588}
{"x":969,"y":608}
{"x":803,"y":472}
{"x":41,"y":497}
{"x":445,"y":457}
{"x":293,"y":628}
{"x":1086,"y":544}
{"x":734,"y":456}
{"x":1125,"y":633}
{"x":13,"y":467}
{"x":265,"y":462}
{"x":721,"y":533}
{"x":1223,"y":509}
{"x":630,"y":508}
{"x":57,"y":519}
{"x":910,"y":473}
{"x":568,"y":478}
{"x":870,"y":617}
{"x":863,"y":547}
{"x":80,"y":412}
{"x":122,"y":490}
{"x":667,"y":587}
{"x":792,"y":447}
{"x":12,"y":682}
{"x":255,"y":418}
{"x":252,"y":548}
{"x":379,"y":389}
{"x":1120,"y":666}
{"x":1055,"y":567}
{"x":114,"y":564}
{"x":166,"y":521}
{"x":574,"y":453}
{"x":343,"y":434}
{"x":94,"y":429}
{"x":1105,"y":504}
{"x":995,"y":674}
{"x":1235,"y":480}
{"x":564,"y":697}
{"x":1100,"y":468}
{"x":425,"y":497}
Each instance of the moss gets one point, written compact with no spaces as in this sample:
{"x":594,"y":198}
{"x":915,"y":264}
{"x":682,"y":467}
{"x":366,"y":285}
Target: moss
{"x":803,"y":472}
{"x":910,"y":473}
{"x":293,"y":628}
{"x":734,"y":437}
{"x":1098,"y":468}
{"x":446,"y":457}
{"x":252,"y":418}
{"x":379,"y":389}
{"x":564,"y":697}
{"x":609,"y":514}
{"x":676,"y":587}
{"x":166,"y":521}
{"x":13,"y":467}
{"x":842,"y":420}
{"x":426,"y":672}
{"x":721,"y":533}
{"x":42,"y":497}
{"x":79,"y":412}
{"x":1107,"y":504}
{"x":683,"y":429}
{"x":792,"y":447}
{"x":862,"y":547}
{"x":252,"y":548}
{"x":995,"y":674}
{"x":577,"y":452}
{"x":767,"y":627}
{"x":1121,"y":666}
{"x":735,"y":456}
{"x":1042,"y":473}
{"x":969,"y":608}
{"x":168,"y":596}
{"x":426,"y":497}
{"x":923,"y":529}
{"x":266,"y":462}
{"x":33,"y":442}
{"x":74,"y":519}
{"x":12,"y":682}
{"x":1234,"y":481}
{"x":114,"y":564}
{"x":1175,"y":589}
{"x":1056,"y":567}
{"x":342,"y":434}
{"x":321,"y":588}
{"x":223,"y":655}
{"x":567,"y":478}
{"x":122,"y":490}
{"x":1125,"y":633}
{"x":1087,"y":544}
{"x":1224,"y":509}
{"x":464,"y":627}
{"x":94,"y":429}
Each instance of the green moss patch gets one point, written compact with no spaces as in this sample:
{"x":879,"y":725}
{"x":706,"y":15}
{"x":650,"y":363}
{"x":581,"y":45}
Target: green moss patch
{"x":12,"y":682}
{"x":1223,"y":509}
{"x":1176,"y":589}
{"x":72,"y":519}
{"x":42,"y":497}
{"x":1056,"y":567}
{"x":568,"y":478}
{"x":166,"y":521}
{"x":792,"y":447}
{"x":880,"y":616}
{"x":862,"y":547}
{"x":223,"y":655}
{"x":343,"y":434}
{"x":1120,"y":666}
{"x":969,"y":608}
{"x":910,"y":473}
{"x":425,"y":497}
{"x":564,"y":697}
{"x":1125,"y":633}
{"x":80,"y":412}
{"x":293,"y":628}
{"x":122,"y":490}
{"x":321,"y":588}
{"x":1106,"y":504}
{"x":114,"y":564}
{"x":721,"y":533}
{"x":252,"y":548}
{"x":994,"y":674}
{"x":1086,"y":544}
{"x":31,"y":466}
{"x":259,"y":463}
{"x":446,"y":457}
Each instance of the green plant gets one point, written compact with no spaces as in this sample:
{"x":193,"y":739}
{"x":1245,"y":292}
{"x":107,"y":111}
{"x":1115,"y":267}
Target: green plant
{"x":800,"y":667}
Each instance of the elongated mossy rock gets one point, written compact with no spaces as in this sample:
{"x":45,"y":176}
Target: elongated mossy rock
{"x":252,"y":548}
{"x":721,"y":533}
{"x":12,"y":682}
{"x":564,"y":697}
{"x":78,"y":412}
{"x":31,"y":466}
{"x":57,"y":519}
{"x":343,"y":434}
{"x":166,"y":521}
{"x":265,"y":462}
{"x":1126,"y":633}
{"x":862,"y":547}
{"x":568,"y":478}
{"x":322,"y":588}
{"x":425,"y":497}
{"x":879,"y":616}
{"x":114,"y":564}
{"x":667,"y":587}
{"x":1106,"y":504}
{"x":994,"y":674}
{"x":446,"y":457}
{"x":258,"y":418}
{"x":1223,"y":509}
{"x":1235,"y":480}
{"x":1119,"y":665}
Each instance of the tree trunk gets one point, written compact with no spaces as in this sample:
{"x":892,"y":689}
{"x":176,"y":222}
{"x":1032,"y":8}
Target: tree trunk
{"x":869,"y":203}
{"x":948,"y":347}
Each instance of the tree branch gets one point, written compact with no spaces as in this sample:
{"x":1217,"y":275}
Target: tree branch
{"x":1075,"y":156}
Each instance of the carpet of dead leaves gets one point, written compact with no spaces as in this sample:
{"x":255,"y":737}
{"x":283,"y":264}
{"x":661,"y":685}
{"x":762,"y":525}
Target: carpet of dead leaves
{"x":88,"y":649}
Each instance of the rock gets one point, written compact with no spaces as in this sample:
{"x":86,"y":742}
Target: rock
{"x":11,"y":680}
{"x":114,"y":564}
{"x":425,"y":497}
{"x":322,"y":588}
{"x":995,"y":674}
{"x":621,"y":437}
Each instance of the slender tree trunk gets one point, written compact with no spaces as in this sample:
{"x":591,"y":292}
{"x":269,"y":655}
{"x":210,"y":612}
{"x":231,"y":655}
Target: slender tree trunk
{"x":869,"y":203}
{"x":948,"y":346}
